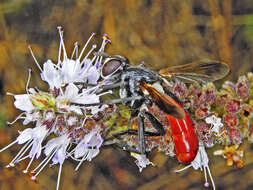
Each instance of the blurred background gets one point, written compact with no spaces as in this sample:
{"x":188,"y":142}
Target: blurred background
{"x":161,"y":33}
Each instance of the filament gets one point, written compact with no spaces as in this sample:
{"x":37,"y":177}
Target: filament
{"x":28,"y":166}
{"x":62,"y":43}
{"x":93,"y":47}
{"x":211,"y":178}
{"x":48,"y":158}
{"x":180,"y":170}
{"x":15,"y":120}
{"x":59,"y":55}
{"x":38,"y":65}
{"x":28,"y":81}
{"x":8,"y":146}
{"x":79,"y":164}
{"x":59,"y":177}
{"x":21,"y":159}
{"x":86,"y":45}
{"x":75,"y":50}
{"x":22,"y":151}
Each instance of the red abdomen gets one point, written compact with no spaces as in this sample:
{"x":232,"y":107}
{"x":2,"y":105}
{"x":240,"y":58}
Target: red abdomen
{"x":185,"y":138}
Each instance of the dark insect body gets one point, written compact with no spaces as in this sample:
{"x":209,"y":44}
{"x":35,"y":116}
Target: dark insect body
{"x":140,"y":87}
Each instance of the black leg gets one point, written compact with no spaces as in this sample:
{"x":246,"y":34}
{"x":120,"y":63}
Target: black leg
{"x":141,"y":136}
{"x":156,"y":124}
{"x":123,"y":147}
{"x":135,"y":132}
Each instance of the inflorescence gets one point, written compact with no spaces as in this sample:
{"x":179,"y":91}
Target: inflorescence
{"x":77,"y":132}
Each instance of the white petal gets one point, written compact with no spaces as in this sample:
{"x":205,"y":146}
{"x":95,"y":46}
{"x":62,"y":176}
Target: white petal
{"x":23,"y":102}
{"x":70,"y":70}
{"x":92,"y":154}
{"x":80,"y":151}
{"x":93,"y":75}
{"x":71,"y":92}
{"x":51,"y":75}
{"x":25,"y":136}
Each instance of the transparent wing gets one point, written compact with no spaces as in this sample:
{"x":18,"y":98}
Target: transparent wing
{"x":199,"y":71}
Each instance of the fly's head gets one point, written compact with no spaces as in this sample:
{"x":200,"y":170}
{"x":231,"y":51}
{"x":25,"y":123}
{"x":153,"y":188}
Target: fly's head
{"x":114,"y":65}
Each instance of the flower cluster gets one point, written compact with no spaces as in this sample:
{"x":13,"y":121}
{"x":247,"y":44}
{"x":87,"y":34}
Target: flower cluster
{"x":223,"y":116}
{"x":70,"y":128}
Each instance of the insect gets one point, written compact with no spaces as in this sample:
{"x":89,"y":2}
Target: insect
{"x":140,"y":87}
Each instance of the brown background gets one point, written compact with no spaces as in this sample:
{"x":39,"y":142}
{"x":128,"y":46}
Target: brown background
{"x":161,"y":33}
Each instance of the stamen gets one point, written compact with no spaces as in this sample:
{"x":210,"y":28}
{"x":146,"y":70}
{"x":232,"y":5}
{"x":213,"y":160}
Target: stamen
{"x":79,"y":164}
{"x":206,"y":183}
{"x":185,"y":168}
{"x":21,"y":159}
{"x":104,"y":93}
{"x":86,"y":45}
{"x":102,"y":49}
{"x":211,"y":178}
{"x":10,"y":94}
{"x":48,"y":158}
{"x":62,"y":43}
{"x":71,"y":152}
{"x":93,"y":47}
{"x":28,"y":166}
{"x":28,"y":80}
{"x":8,"y":146}
{"x":22,"y":151}
{"x":61,"y":91}
{"x":38,"y":65}
{"x":75,"y":50}
{"x":59,"y":177}
{"x":15,"y":120}
{"x":59,"y":55}
{"x":76,"y":159}
{"x":27,"y":156}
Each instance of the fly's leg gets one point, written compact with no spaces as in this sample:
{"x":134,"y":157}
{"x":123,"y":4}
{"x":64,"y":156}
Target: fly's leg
{"x":115,"y":101}
{"x":134,"y":132}
{"x":123,"y":84}
{"x":124,"y":147}
{"x":156,"y":124}
{"x":141,"y":136}
{"x":133,"y":89}
{"x":141,"y":130}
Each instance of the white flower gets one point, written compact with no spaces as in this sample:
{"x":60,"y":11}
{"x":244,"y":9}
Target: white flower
{"x":215,"y":122}
{"x":55,"y":149}
{"x":36,"y":135}
{"x":57,"y":146}
{"x":93,"y":74}
{"x":33,"y":116}
{"x":23,"y":102}
{"x":88,"y":147}
{"x":201,"y":162}
{"x":33,"y":138}
{"x":72,"y":95}
{"x":141,"y":161}
{"x":51,"y":75}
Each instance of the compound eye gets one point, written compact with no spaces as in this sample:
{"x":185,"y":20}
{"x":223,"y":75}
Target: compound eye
{"x":111,"y":66}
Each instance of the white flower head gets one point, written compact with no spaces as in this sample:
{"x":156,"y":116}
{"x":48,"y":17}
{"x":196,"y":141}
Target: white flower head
{"x":215,"y":122}
{"x":141,"y":161}
{"x":70,"y":70}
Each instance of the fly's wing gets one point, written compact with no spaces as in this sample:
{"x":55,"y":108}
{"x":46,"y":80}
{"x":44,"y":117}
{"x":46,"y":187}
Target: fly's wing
{"x":165,"y":102}
{"x":199,"y":71}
